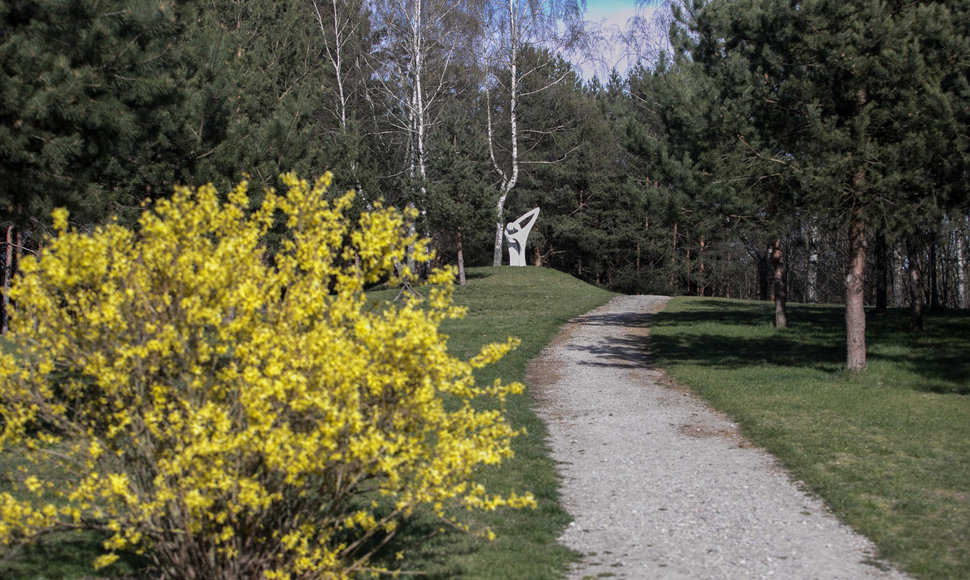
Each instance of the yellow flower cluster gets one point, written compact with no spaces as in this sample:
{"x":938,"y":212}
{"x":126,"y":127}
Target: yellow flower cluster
{"x":235,"y":409}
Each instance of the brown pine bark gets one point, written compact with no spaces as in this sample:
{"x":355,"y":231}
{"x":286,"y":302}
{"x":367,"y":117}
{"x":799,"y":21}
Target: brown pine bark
{"x":916,"y":291}
{"x":855,"y":313}
{"x":855,"y":280}
{"x":778,"y":284}
{"x":7,"y":274}
{"x":701,"y":281}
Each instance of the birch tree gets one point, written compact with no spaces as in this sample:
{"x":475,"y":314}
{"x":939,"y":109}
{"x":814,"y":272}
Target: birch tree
{"x":346,"y":37}
{"x":422,"y":40}
{"x":508,"y":27}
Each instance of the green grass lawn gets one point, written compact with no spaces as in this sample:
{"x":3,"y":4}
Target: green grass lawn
{"x":887,"y":449}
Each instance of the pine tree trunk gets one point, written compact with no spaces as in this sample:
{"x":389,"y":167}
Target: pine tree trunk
{"x":855,"y":313}
{"x":916,"y":291}
{"x":7,"y":274}
{"x":702,"y":273}
{"x":779,"y":287}
{"x":855,"y":280}
{"x":934,"y":277}
{"x":881,"y":274}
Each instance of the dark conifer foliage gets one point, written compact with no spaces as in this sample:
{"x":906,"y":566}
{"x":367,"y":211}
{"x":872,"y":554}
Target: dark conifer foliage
{"x":846,"y":112}
{"x":772,"y":145}
{"x":85,"y":88}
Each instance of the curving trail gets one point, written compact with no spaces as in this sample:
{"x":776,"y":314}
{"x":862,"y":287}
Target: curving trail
{"x":661,"y":486}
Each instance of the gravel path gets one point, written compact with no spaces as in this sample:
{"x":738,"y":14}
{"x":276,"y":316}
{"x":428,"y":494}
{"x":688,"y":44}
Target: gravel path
{"x":661,"y":486}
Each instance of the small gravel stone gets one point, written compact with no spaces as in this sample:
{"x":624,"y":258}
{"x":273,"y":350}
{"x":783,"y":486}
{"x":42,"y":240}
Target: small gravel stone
{"x":661,"y":486}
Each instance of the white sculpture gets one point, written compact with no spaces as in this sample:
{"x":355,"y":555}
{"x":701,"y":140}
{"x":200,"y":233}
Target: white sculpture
{"x":516,"y":235}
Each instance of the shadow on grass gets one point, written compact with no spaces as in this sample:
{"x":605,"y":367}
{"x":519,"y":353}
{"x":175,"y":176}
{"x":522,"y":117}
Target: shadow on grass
{"x":70,"y":555}
{"x":476,"y":274}
{"x":729,"y":335}
{"x":733,"y":334}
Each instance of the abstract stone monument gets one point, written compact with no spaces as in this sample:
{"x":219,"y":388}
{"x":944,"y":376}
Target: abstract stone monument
{"x":516,"y":235}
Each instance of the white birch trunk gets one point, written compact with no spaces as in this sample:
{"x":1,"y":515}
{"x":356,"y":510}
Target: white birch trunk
{"x":899,"y":277}
{"x":342,"y":28}
{"x":961,"y":251}
{"x":511,"y":177}
{"x":811,"y":290}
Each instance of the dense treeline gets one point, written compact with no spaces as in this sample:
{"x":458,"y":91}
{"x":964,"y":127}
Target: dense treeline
{"x":771,"y":150}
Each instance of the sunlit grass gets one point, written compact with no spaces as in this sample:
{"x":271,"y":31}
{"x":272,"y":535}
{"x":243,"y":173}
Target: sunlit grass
{"x":888,"y":450}
{"x":530,"y":304}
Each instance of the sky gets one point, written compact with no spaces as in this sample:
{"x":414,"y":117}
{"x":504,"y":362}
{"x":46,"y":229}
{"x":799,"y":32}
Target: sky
{"x":612,"y":11}
{"x":614,"y":15}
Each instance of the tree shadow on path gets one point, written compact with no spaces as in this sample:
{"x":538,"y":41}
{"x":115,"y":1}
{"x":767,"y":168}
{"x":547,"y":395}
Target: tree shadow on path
{"x":631,"y":350}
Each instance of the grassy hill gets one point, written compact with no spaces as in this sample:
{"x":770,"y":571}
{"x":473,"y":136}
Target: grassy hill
{"x":531,"y":304}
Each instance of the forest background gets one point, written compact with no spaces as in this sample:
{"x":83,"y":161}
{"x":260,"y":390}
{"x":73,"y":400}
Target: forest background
{"x":754,"y":149}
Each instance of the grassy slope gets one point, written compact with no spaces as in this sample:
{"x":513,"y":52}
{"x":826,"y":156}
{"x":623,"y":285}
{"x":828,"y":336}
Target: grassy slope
{"x":889,"y":450}
{"x":531,"y":304}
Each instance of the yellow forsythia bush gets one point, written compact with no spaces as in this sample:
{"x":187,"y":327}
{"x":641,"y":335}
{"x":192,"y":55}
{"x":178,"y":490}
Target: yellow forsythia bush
{"x":233,"y":413}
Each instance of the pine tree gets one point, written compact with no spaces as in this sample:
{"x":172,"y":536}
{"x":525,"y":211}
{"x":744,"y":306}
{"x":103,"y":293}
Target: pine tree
{"x":84,"y":87}
{"x":253,"y":71}
{"x":839,"y":97}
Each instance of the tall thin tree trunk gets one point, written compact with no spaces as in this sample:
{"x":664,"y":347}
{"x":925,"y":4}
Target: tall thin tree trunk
{"x":779,"y":287}
{"x":461,"y":260}
{"x":511,"y":177}
{"x":916,"y":291}
{"x":811,"y":276}
{"x":899,"y":277}
{"x":961,"y":251}
{"x":343,"y":27}
{"x":499,"y":230}
{"x":881,"y":273}
{"x":673,"y":259}
{"x":7,"y":275}
{"x":855,"y":280}
{"x":701,"y":274}
{"x":855,"y":313}
{"x":934,"y":276}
